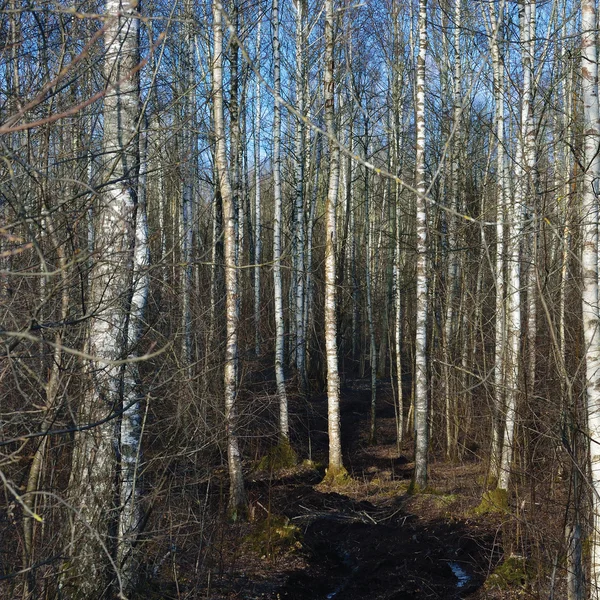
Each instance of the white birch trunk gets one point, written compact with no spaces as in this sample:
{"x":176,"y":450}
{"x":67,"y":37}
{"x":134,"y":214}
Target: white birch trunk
{"x":397,"y":270}
{"x":93,"y":463}
{"x":500,"y":328}
{"x":188,"y":153}
{"x":277,"y":230}
{"x":130,"y":516}
{"x":516,"y":214}
{"x":237,"y":495}
{"x":308,"y":304}
{"x":528,"y":134}
{"x":257,"y":197}
{"x":333,"y":380}
{"x":454,"y":266}
{"x":369,"y":292}
{"x":421,"y":400}
{"x":589,"y":268}
{"x":299,"y":159}
{"x":398,"y":330}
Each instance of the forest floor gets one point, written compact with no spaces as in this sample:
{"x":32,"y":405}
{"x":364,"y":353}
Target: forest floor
{"x":368,"y":539}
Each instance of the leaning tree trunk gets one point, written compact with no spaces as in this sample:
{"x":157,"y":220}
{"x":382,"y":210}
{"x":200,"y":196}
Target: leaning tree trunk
{"x":237,"y":495}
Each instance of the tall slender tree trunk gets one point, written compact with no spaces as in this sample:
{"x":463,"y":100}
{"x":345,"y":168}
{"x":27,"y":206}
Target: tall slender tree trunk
{"x":299,"y":233}
{"x":187,"y":196}
{"x":369,"y":292}
{"x":277,"y":231}
{"x":528,"y":134}
{"x":257,"y":196}
{"x":500,"y":313}
{"x":333,"y":380}
{"x":516,"y":215}
{"x":450,"y":347}
{"x":589,"y":268}
{"x":421,"y":387}
{"x":130,"y":516}
{"x":397,"y":118}
{"x":308,"y":304}
{"x":237,"y":495}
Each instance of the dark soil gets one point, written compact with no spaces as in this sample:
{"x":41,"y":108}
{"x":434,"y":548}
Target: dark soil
{"x":369,"y":539}
{"x":366,"y":542}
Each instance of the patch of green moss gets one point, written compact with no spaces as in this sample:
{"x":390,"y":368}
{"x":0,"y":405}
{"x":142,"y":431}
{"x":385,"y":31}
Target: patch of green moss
{"x":513,"y":572}
{"x":279,"y":457}
{"x":444,"y":500}
{"x":489,"y":482}
{"x":414,"y":488}
{"x":493,"y":501}
{"x":274,"y":536}
{"x":336,"y":477}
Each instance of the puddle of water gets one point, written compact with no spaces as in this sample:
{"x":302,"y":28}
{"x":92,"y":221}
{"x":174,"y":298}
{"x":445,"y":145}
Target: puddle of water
{"x":460,"y":574}
{"x":347,"y":562}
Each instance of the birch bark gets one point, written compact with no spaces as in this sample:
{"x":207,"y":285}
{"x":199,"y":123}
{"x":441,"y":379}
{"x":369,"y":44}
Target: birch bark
{"x":421,"y":391}
{"x":277,"y":230}
{"x":369,"y":292}
{"x":299,"y":234}
{"x":589,"y":267}
{"x":257,"y":197}
{"x":333,"y":380}
{"x":112,"y":296}
{"x":516,"y":215}
{"x":130,"y":516}
{"x":501,"y":197}
{"x":237,"y":495}
{"x":187,"y":191}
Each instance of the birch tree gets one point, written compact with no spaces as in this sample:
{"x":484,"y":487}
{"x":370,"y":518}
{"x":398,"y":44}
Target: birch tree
{"x":117,"y":302}
{"x":336,"y":467}
{"x":421,"y":421}
{"x":299,"y":233}
{"x":589,"y":267}
{"x":495,"y":21}
{"x":237,"y":494}
{"x":277,"y":232}
{"x":516,"y":215}
{"x":187,"y":195}
{"x":257,"y":195}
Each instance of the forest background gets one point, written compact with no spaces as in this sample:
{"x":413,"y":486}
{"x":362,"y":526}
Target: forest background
{"x":211,"y":214}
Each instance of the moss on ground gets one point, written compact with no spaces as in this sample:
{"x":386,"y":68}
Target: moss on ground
{"x":274,"y":536}
{"x":513,"y":572}
{"x":489,"y":482}
{"x":413,"y":489}
{"x":281,"y":456}
{"x":493,"y":501}
{"x":336,"y":477}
